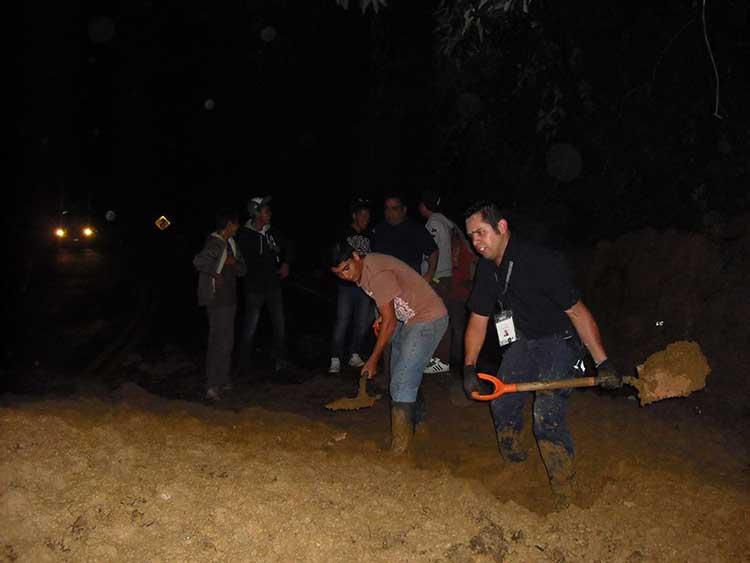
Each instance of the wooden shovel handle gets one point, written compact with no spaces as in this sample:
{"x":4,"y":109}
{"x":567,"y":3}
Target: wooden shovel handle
{"x":560,"y":384}
{"x":501,"y":388}
{"x":362,"y":390}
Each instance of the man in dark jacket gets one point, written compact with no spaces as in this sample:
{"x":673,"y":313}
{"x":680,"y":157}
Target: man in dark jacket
{"x":265,"y":251}
{"x":219,"y":264}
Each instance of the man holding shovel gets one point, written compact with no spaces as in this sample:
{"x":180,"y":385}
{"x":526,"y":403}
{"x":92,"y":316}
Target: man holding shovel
{"x":412,"y":317}
{"x":529,"y":292}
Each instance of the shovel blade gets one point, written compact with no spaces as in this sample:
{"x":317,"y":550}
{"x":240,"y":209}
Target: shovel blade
{"x":361,"y":401}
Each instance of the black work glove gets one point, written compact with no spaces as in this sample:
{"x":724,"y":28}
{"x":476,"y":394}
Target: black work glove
{"x":473,"y":383}
{"x":607,"y":375}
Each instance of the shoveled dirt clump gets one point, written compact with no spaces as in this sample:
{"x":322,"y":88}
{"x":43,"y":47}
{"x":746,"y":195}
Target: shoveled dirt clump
{"x":675,"y":372}
{"x":361,"y":401}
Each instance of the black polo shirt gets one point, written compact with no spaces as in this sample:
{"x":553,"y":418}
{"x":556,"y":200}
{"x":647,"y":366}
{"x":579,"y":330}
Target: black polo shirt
{"x":539,"y":291}
{"x":408,"y":241}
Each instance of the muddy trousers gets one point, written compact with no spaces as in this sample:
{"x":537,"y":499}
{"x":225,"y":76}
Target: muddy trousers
{"x":542,"y":359}
{"x":220,"y":344}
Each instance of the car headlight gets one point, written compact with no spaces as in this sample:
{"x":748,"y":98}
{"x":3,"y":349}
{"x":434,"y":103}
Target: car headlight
{"x":88,"y":232}
{"x":60,"y":232}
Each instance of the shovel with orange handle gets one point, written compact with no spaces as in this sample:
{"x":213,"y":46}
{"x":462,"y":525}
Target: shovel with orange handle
{"x":501,"y":388}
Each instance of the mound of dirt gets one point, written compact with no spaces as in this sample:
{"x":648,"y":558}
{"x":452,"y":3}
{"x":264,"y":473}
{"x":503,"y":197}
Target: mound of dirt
{"x":148,"y":479}
{"x":650,"y":288}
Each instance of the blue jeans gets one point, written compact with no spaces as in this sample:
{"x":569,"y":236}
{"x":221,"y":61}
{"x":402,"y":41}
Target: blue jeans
{"x":253,"y":306}
{"x":412,"y":347}
{"x":543,"y":359}
{"x":353,"y":305}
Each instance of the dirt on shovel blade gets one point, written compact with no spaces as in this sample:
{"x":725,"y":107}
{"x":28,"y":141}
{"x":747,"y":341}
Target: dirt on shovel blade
{"x":675,"y":372}
{"x":361,"y":401}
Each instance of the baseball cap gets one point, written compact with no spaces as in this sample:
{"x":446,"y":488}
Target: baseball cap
{"x":256,"y":203}
{"x":359,"y":203}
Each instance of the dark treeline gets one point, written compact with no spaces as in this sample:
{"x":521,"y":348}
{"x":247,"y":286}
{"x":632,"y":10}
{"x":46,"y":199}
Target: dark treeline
{"x":592,"y":118}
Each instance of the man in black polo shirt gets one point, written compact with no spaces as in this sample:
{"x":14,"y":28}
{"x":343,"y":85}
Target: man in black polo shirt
{"x":400,"y":236}
{"x":529,"y":293}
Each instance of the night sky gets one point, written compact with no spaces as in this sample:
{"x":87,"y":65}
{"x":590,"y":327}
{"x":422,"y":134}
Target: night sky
{"x":154,"y":107}
{"x":149,"y":108}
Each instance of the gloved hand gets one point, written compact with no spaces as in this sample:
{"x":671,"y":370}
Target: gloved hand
{"x":607,"y":375}
{"x":473,"y":383}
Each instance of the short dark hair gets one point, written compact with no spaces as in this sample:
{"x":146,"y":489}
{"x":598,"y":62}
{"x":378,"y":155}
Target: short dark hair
{"x":489,"y":210}
{"x":339,"y":252}
{"x":395,"y":195}
{"x":358,"y":204}
{"x":430,"y":199}
{"x":226,"y":215}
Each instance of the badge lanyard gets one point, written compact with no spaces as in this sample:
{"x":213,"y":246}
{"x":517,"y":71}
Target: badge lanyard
{"x":506,"y":329}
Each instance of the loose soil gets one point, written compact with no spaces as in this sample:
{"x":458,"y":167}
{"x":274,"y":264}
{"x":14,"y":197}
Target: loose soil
{"x":271,"y":475}
{"x":138,"y":468}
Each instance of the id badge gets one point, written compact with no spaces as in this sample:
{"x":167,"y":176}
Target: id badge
{"x":506,"y":330}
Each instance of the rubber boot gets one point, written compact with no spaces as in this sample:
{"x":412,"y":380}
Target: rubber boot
{"x":402,"y":427}
{"x":420,"y":416}
{"x":559,"y":464}
{"x":508,"y":444}
{"x":420,"y":409}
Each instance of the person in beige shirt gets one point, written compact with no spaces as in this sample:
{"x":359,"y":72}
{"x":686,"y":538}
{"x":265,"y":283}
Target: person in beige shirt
{"x":412,"y":318}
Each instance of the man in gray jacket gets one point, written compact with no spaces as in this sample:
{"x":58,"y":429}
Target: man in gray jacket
{"x":219,"y":265}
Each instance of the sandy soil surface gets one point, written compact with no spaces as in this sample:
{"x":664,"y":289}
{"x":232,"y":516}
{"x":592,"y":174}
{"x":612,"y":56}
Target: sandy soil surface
{"x":137,"y":468}
{"x":271,"y":475}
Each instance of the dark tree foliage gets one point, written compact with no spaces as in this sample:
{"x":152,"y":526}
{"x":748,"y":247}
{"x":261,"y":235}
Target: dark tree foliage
{"x":631,"y":86}
{"x":466,"y":96}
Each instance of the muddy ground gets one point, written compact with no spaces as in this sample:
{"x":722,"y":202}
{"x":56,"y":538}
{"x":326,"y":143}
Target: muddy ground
{"x":137,"y":467}
{"x":270,"y":475}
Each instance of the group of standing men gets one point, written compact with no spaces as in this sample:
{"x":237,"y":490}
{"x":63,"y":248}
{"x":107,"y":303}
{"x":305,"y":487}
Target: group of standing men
{"x":421,"y":280}
{"x":529,"y":293}
{"x":437,"y":251}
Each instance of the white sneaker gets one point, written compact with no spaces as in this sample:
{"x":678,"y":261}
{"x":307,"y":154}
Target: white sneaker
{"x":436,"y":365}
{"x":355,"y":361}
{"x":335,"y":366}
